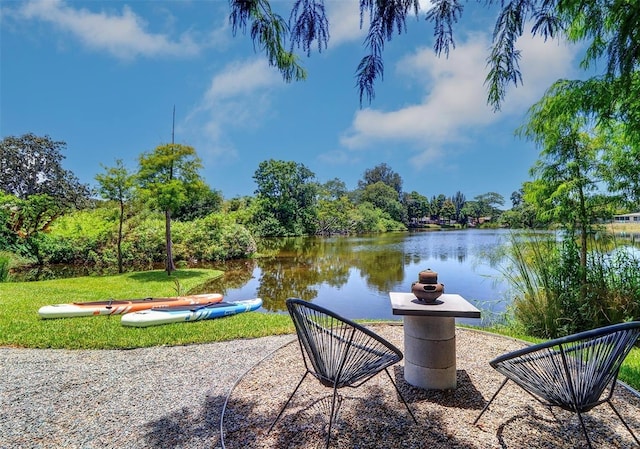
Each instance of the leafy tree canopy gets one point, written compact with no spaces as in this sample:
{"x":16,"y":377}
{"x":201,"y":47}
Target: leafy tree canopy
{"x":417,"y":205}
{"x":32,"y":165}
{"x":166,"y":176}
{"x":116,"y":183}
{"x":385,"y":198}
{"x":384,"y":174}
{"x":287,"y":191}
{"x":608,"y":27}
{"x":168,"y":173}
{"x":594,"y":106}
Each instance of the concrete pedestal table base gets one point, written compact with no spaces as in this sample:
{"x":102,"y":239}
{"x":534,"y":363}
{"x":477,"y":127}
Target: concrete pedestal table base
{"x":430,"y":352}
{"x":430,"y":338}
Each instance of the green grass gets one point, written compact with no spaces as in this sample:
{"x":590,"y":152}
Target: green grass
{"x":21,"y":326}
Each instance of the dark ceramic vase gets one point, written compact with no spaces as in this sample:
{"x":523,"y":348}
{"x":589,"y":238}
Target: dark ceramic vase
{"x":427,"y":292}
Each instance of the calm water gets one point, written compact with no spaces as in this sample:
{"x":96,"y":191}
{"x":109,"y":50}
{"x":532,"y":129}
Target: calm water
{"x":354,"y":275}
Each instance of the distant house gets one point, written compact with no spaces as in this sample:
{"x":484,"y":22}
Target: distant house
{"x":477,"y":222}
{"x":627,"y":218}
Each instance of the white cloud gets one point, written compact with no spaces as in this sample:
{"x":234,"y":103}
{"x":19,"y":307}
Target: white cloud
{"x":337,"y":158}
{"x":238,"y":97}
{"x":454,"y":97}
{"x":123,"y":35}
{"x":344,"y":22}
{"x":241,"y":79}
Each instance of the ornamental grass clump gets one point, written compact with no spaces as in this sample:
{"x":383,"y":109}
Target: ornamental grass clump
{"x":554,"y":295}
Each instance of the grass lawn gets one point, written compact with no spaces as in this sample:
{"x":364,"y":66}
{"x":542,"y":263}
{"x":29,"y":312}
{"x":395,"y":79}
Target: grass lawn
{"x":21,"y":326}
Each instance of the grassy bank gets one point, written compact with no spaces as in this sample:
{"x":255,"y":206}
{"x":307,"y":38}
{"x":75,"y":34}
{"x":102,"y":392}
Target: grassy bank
{"x":623,"y":228}
{"x":21,"y":326}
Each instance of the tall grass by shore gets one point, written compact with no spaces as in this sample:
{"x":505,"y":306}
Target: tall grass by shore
{"x":555,"y":296}
{"x":552,"y":299}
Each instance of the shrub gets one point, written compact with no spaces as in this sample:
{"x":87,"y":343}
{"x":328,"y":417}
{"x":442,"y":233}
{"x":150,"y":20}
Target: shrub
{"x":5,"y":261}
{"x":212,"y":238}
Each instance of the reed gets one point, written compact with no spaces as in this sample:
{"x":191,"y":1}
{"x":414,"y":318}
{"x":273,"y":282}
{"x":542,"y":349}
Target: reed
{"x":550,"y":295}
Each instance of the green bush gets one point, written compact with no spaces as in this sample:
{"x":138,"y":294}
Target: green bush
{"x":90,"y":238}
{"x":237,"y":242}
{"x":212,"y":238}
{"x":5,"y":261}
{"x":144,"y":242}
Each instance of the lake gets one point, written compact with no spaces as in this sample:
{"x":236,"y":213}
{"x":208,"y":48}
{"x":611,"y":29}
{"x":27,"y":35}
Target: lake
{"x":354,"y":275}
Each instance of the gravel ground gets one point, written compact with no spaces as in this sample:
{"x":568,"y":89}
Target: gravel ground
{"x":173,"y":397}
{"x":372,"y":416}
{"x":163,"y":397}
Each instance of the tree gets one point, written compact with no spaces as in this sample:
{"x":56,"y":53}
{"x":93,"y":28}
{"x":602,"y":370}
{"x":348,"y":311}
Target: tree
{"x":385,"y":198}
{"x":617,"y":118}
{"x":566,"y":177}
{"x":458,"y":201}
{"x":333,"y":189}
{"x":417,"y":206}
{"x":609,"y":29}
{"x":28,"y":218}
{"x":620,"y":165}
{"x":200,"y":201}
{"x":7,"y":236}
{"x":334,"y":216}
{"x":116,"y":184}
{"x":448,"y":211}
{"x":32,"y":165}
{"x":436,"y":204}
{"x":474,"y":210}
{"x":522,"y":214}
{"x":382,"y":173}
{"x":517,"y":197}
{"x":489,"y":203}
{"x":287,"y":194}
{"x":165,"y":177}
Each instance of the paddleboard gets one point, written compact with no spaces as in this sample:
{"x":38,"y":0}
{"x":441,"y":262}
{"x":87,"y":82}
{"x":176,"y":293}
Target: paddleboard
{"x":182,"y":314}
{"x":122,"y":306}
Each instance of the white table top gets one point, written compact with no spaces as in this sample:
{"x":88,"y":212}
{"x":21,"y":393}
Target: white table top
{"x":449,"y":305}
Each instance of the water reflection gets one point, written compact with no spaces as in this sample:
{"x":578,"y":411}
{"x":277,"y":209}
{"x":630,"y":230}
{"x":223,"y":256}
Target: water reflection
{"x":354,"y":275}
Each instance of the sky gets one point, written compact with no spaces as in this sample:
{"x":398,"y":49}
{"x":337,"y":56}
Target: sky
{"x":105,"y":77}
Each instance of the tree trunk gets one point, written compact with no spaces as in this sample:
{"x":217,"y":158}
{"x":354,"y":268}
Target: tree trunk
{"x":170,"y":266}
{"x":120,"y":237}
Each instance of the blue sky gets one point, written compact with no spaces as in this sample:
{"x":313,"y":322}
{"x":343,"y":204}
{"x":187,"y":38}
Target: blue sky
{"x":104,"y":77}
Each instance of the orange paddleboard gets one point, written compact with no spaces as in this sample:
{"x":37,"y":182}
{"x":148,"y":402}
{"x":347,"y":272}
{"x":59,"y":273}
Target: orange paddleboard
{"x":121,"y":306}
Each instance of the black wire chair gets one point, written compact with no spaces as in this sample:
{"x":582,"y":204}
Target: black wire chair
{"x":338,"y":352}
{"x":571,"y":372}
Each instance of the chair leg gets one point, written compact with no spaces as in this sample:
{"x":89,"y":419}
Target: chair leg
{"x":490,"y":400}
{"x":287,"y":403}
{"x":584,"y":430}
{"x":623,"y":422}
{"x":333,"y":411}
{"x":401,"y":397}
